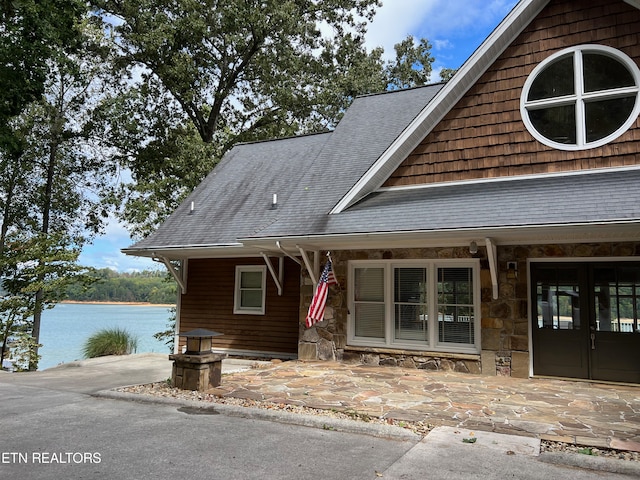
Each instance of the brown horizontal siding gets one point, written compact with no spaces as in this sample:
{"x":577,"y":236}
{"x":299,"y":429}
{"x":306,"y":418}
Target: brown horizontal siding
{"x":208,"y":304}
{"x":483,"y":136}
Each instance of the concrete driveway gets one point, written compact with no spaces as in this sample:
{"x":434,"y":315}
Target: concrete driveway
{"x":56,"y":411}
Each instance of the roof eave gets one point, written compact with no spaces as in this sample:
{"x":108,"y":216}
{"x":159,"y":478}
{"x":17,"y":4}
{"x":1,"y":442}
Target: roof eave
{"x":182,"y":252}
{"x":592,"y":232}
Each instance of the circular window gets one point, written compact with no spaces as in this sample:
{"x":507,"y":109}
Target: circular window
{"x":581,"y":97}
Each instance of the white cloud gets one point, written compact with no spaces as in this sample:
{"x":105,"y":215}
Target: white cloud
{"x":115,"y":230}
{"x":395,"y":20}
{"x":105,"y":252}
{"x":442,"y":45}
{"x":450,"y":25}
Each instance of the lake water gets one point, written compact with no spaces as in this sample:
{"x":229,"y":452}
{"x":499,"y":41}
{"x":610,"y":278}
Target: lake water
{"x":65,"y":328}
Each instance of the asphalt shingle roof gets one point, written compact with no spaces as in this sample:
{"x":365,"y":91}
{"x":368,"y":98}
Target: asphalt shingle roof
{"x":596,"y":197}
{"x":235,"y":198}
{"x":308,"y":173}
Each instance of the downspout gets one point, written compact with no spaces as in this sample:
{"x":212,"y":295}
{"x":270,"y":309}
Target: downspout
{"x":176,"y":331}
{"x":492,"y":255}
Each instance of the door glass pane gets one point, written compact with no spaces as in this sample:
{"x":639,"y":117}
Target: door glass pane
{"x":369,"y":315}
{"x":558,"y":299}
{"x":557,"y":80}
{"x":556,"y":123}
{"x":455,"y":306}
{"x":617,"y":299}
{"x":602,"y":72}
{"x":410,"y":303}
{"x":605,"y":117}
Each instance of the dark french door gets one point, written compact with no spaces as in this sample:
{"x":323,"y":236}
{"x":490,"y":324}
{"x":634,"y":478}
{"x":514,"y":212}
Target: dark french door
{"x":585,"y":320}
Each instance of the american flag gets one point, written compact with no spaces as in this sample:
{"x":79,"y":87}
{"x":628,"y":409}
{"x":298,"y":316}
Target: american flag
{"x":319,"y":301}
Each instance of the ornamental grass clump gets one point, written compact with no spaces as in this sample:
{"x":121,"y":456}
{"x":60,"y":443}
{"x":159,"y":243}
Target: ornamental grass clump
{"x":110,"y":341}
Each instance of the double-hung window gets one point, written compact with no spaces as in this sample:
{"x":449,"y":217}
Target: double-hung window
{"x":250,"y":287}
{"x":415,"y":304}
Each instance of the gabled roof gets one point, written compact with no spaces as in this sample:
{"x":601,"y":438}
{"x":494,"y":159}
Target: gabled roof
{"x":235,"y":199}
{"x":328,"y":185}
{"x":308,"y":174}
{"x":514,"y":23}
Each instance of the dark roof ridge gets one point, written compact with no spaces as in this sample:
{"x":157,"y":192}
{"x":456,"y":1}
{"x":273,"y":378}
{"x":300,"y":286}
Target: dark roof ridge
{"x":364,"y":95}
{"x":400,"y":90}
{"x":289,"y":137}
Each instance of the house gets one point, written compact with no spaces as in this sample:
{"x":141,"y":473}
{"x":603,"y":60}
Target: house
{"x":487,"y":225}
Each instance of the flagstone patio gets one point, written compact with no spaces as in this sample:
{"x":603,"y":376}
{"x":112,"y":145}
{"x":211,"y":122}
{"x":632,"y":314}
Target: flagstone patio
{"x":585,"y":413}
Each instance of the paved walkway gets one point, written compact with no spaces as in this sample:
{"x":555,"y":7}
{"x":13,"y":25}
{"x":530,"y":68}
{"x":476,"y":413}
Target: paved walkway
{"x":592,"y":414}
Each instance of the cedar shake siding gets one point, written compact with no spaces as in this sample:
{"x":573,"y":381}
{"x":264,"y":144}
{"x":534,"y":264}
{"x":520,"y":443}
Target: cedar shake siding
{"x":208,"y":304}
{"x":484,"y":136}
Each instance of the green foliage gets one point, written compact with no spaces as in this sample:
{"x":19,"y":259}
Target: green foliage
{"x":36,"y":272}
{"x":32,"y":31}
{"x":152,"y":286}
{"x":114,"y":341}
{"x":24,"y":351}
{"x":201,"y":77}
{"x":14,"y":323}
{"x":168,"y":335}
{"x":56,"y":189}
{"x":447,"y":73}
{"x":412,"y":66}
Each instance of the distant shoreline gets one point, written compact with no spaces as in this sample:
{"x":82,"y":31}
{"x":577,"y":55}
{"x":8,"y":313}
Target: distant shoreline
{"x":133,"y":304}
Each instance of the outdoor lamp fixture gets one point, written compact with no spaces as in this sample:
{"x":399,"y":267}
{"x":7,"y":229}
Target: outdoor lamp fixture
{"x":198,"y":368}
{"x":512,"y":270}
{"x":199,"y":341}
{"x":473,"y":247}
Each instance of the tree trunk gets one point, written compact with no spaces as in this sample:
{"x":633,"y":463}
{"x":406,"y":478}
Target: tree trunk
{"x":46,"y":215}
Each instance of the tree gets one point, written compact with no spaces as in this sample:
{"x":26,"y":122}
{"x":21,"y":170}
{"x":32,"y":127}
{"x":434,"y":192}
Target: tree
{"x":205,"y":75}
{"x":35,"y":272}
{"x":32,"y":30}
{"x":60,"y":188}
{"x":412,"y":65}
{"x":447,"y":73}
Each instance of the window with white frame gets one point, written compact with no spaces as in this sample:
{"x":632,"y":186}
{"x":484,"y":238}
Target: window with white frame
{"x":250,"y":289}
{"x":581,"y":97}
{"x":415,"y":304}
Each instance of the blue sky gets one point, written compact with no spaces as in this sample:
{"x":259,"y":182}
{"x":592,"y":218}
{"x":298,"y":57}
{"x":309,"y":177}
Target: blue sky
{"x":455,"y":28}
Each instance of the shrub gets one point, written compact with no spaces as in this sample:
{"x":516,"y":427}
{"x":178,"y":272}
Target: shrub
{"x":110,"y":341}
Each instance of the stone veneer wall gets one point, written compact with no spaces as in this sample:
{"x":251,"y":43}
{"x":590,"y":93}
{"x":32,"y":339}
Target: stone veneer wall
{"x":505,"y":327}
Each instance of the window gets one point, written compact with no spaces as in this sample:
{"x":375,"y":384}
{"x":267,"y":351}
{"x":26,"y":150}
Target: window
{"x":415,"y":304}
{"x":250,"y":290}
{"x":582,"y":97}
